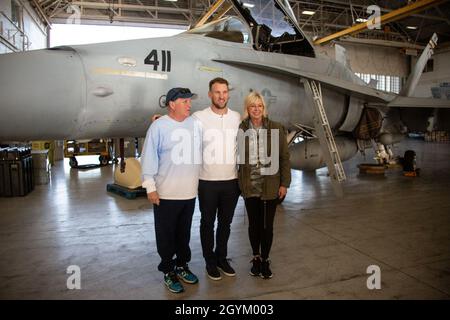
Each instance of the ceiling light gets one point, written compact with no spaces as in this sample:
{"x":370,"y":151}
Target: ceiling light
{"x":248,"y":5}
{"x":361,"y":20}
{"x":411,"y":27}
{"x":307,"y":12}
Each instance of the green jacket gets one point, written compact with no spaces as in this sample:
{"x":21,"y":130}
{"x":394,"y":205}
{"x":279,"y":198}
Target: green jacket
{"x":271,"y":183}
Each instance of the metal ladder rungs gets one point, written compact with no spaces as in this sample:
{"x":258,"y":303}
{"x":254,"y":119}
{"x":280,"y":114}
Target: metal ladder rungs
{"x":338,"y":172}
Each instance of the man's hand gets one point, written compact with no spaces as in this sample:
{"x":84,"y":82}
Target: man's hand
{"x":155,"y":117}
{"x":282,"y":192}
{"x":153,"y":197}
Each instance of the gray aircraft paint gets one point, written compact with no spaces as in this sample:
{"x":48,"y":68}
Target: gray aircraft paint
{"x":108,"y":91}
{"x":84,"y":92}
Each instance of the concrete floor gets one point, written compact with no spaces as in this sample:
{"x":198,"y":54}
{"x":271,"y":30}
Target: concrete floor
{"x":322,"y":245}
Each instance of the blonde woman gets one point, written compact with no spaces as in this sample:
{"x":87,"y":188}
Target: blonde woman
{"x":264,"y":176}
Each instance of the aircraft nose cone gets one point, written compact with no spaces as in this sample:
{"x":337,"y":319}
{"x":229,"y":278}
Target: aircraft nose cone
{"x":40,"y":93}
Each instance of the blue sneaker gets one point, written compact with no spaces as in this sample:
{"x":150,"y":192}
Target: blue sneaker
{"x":172,"y":282}
{"x":186,"y":275}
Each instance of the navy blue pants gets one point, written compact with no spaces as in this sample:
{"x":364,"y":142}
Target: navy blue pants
{"x":216,"y":198}
{"x":173,"y":219}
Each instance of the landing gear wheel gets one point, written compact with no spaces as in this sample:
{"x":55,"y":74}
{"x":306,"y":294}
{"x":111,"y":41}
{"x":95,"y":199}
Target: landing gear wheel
{"x":103,"y":160}
{"x":73,"y":163}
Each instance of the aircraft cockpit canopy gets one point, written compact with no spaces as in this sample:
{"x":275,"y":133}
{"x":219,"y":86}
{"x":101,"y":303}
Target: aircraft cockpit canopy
{"x":276,"y":28}
{"x":229,"y":28}
{"x":268,"y":25}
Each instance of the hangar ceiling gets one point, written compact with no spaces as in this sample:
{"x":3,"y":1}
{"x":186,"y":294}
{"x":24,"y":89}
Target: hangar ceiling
{"x":181,"y":12}
{"x":329,"y":16}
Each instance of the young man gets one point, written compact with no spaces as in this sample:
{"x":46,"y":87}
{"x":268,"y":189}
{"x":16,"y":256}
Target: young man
{"x":218,"y":186}
{"x":170,"y":170}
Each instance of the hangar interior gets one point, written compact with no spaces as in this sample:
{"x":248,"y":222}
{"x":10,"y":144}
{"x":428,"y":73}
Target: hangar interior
{"x":323,"y":244}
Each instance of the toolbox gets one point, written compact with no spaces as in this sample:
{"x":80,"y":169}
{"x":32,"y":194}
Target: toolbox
{"x":16,"y":172}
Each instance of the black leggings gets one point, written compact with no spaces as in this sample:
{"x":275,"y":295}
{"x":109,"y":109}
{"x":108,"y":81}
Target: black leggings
{"x":261,"y":214}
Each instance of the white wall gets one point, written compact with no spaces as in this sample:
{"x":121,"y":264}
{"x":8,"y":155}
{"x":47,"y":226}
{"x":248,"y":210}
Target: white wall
{"x":5,"y":7}
{"x":372,"y":59}
{"x":439,"y":75}
{"x":33,"y":28}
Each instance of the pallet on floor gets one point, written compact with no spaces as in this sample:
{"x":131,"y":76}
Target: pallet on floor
{"x":125,"y":192}
{"x":371,"y":168}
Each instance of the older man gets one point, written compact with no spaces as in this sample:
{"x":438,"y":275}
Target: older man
{"x":170,"y":170}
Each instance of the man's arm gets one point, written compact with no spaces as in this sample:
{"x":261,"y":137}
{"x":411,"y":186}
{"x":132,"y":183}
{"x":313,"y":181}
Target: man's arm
{"x":150,"y":163}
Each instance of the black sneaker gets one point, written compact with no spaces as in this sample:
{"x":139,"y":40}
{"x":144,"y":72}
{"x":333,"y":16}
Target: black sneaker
{"x":256,"y":267}
{"x":213,"y":272}
{"x":225,"y":267}
{"x":265,"y":270}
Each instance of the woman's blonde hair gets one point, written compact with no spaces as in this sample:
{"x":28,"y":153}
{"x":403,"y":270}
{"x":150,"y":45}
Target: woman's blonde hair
{"x":252,"y":98}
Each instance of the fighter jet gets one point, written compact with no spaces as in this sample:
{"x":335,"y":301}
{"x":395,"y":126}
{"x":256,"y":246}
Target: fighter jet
{"x":112,"y":89}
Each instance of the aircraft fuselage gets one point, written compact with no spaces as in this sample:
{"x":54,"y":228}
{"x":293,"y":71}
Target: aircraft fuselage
{"x":113,"y":89}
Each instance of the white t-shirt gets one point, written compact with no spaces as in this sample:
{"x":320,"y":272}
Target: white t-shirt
{"x":219,"y":144}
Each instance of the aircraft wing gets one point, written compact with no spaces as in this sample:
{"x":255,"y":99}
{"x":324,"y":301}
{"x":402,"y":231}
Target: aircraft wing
{"x":367,"y":93}
{"x":412,"y":102}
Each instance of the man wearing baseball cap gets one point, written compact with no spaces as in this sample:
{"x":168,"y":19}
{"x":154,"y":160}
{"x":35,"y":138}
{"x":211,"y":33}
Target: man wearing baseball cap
{"x":171,"y":179}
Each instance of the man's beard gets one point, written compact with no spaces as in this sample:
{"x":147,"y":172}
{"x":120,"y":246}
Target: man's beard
{"x":218,"y":106}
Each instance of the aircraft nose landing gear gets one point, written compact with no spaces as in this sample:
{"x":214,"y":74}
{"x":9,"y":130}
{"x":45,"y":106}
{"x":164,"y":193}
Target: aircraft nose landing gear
{"x":73,"y":162}
{"x":104,"y":160}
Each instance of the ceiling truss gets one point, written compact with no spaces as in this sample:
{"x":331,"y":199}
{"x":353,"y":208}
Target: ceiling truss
{"x":330,"y":16}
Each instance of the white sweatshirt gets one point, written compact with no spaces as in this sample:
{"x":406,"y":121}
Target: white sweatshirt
{"x":219,"y":144}
{"x":171,"y":158}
